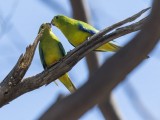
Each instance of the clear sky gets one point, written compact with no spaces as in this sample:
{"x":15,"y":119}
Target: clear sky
{"x":19,"y":23}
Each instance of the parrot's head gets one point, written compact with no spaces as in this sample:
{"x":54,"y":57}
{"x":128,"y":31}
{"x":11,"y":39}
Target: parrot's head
{"x":45,"y":27}
{"x":59,"y":20}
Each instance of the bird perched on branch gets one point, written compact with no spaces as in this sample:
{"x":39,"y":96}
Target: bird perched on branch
{"x":51,"y":51}
{"x":77,"y":32}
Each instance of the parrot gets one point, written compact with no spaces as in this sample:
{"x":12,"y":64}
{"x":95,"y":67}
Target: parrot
{"x":51,"y":51}
{"x":78,"y":31}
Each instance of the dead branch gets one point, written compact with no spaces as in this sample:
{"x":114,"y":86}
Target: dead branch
{"x":17,"y":73}
{"x":108,"y":109}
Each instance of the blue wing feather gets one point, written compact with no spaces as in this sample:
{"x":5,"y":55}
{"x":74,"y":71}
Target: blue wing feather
{"x":81,"y":27}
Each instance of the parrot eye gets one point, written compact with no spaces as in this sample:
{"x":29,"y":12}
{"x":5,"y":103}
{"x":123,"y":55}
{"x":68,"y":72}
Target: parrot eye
{"x":56,"y":17}
{"x":42,"y":26}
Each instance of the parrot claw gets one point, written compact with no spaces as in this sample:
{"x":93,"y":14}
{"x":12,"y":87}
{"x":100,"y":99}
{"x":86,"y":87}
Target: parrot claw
{"x":88,"y":38}
{"x":52,"y":65}
{"x":69,"y":52}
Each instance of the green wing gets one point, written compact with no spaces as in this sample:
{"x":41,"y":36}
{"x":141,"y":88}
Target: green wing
{"x":42,"y":57}
{"x":61,"y":48}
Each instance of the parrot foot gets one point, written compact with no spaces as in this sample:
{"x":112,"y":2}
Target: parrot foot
{"x":53,"y":64}
{"x":87,"y":39}
{"x":69,"y":52}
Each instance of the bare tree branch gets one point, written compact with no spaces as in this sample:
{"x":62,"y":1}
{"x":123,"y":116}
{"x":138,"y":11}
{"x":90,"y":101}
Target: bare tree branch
{"x":118,"y":67}
{"x":62,"y":66}
{"x":80,"y":12}
{"x":17,"y":73}
{"x":108,"y":110}
{"x":130,"y":19}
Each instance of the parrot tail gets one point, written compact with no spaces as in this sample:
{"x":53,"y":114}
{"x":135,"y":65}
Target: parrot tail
{"x":108,"y":47}
{"x":67,"y":83}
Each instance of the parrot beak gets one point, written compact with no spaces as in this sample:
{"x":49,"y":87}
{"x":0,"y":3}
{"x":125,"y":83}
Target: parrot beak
{"x":52,"y":23}
{"x":49,"y":24}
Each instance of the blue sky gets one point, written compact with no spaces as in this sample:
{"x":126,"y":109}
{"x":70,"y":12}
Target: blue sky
{"x":19,"y":24}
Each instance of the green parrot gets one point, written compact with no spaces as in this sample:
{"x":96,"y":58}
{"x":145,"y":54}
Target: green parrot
{"x":77,"y":32}
{"x":51,"y":51}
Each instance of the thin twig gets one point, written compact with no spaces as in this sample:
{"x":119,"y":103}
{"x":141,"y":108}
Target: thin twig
{"x":116,"y":25}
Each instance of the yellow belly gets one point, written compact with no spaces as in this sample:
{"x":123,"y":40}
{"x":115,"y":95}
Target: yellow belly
{"x":50,"y":60}
{"x":51,"y":53}
{"x":78,"y":38}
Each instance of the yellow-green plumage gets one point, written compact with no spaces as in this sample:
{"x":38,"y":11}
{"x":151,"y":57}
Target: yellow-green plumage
{"x":51,"y":51}
{"x":77,"y":32}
